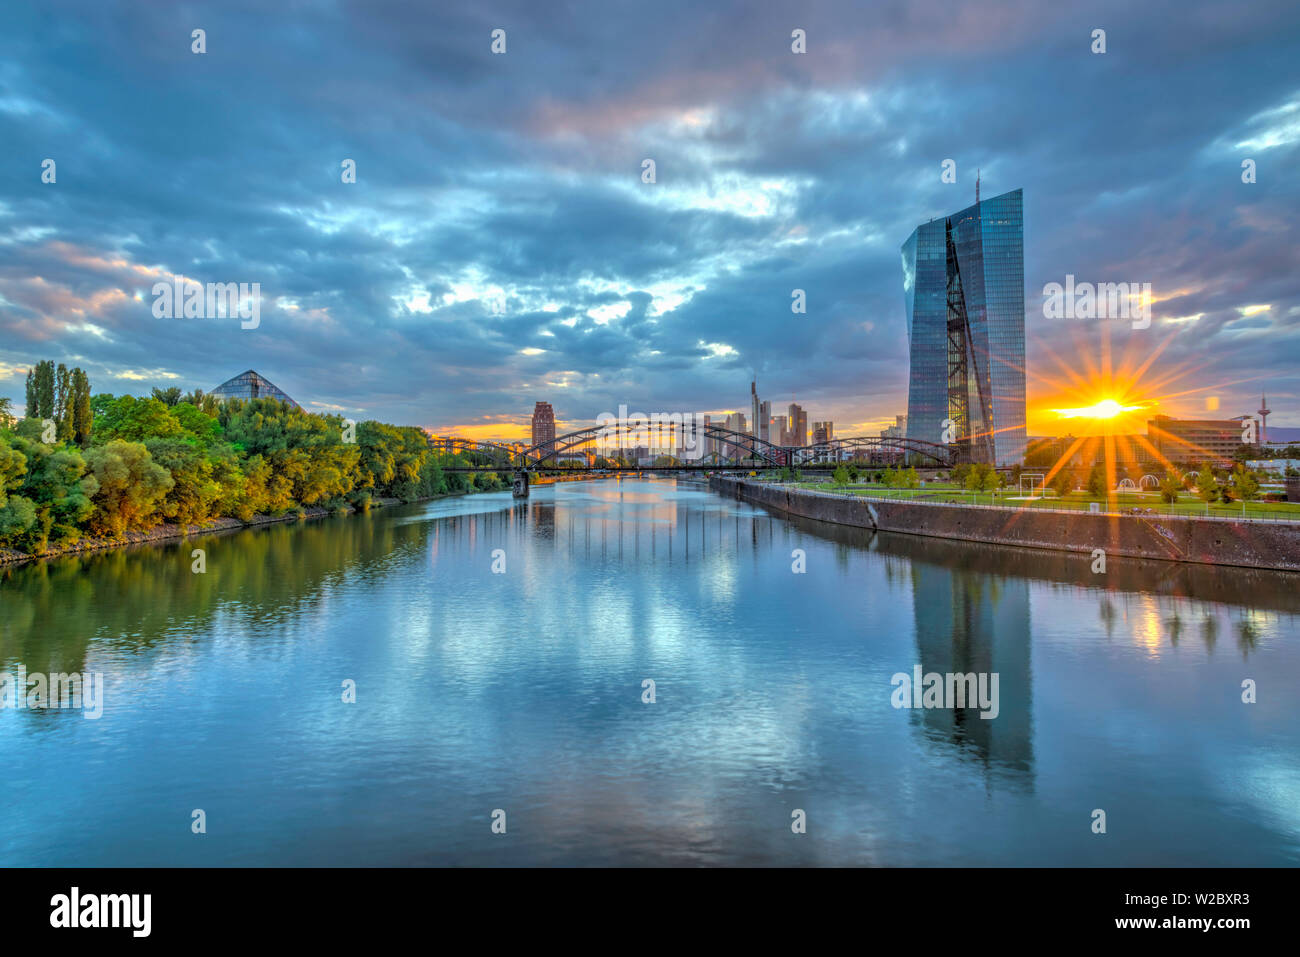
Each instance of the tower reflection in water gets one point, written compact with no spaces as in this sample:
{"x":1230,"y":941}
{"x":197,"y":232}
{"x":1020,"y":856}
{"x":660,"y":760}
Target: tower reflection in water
{"x":974,"y":622}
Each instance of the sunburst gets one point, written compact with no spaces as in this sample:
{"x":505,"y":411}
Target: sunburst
{"x":1105,"y":405}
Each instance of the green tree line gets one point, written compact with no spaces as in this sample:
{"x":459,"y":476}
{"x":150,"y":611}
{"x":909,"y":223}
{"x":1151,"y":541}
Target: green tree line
{"x":115,"y":464}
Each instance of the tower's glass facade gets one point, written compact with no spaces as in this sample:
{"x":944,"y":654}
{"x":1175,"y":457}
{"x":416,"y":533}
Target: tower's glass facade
{"x":964,"y":289}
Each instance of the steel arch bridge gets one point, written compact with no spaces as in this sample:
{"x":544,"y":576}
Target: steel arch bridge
{"x":874,"y":449}
{"x":731,"y":449}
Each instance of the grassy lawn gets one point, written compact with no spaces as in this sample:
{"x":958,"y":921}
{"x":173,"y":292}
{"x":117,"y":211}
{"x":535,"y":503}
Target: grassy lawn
{"x":1187,"y":503}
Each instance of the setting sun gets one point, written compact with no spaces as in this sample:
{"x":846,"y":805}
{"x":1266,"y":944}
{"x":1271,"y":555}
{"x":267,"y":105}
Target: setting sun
{"x":1105,"y":409}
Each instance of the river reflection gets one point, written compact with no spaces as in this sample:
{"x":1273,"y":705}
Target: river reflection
{"x":521,"y":688}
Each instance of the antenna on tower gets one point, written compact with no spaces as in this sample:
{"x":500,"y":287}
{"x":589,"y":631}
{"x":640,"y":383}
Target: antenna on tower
{"x":977,"y":186}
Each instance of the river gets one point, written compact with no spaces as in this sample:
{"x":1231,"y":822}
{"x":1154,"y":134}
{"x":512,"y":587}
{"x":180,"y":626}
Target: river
{"x":500,"y":653}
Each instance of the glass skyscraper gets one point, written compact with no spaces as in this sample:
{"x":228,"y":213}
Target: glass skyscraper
{"x":964,"y":288}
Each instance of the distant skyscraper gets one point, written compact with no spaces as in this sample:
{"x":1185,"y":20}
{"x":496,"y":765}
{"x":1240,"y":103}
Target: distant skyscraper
{"x":780,"y":429}
{"x":896,"y":431}
{"x":544,"y":426}
{"x":798,"y":426}
{"x":765,"y":421}
{"x":828,"y":428}
{"x":754,"y":420}
{"x":736,"y":422}
{"x":964,"y":289}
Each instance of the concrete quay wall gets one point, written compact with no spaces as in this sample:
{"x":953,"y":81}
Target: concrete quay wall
{"x":1207,"y":541}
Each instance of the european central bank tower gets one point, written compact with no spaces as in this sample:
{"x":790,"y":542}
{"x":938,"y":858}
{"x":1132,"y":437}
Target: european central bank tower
{"x":964,"y":287}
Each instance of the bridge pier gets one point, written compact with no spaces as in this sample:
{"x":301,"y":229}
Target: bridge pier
{"x":520,"y":489}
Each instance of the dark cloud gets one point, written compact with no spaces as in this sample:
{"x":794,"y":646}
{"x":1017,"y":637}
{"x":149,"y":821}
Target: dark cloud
{"x":499,"y":246}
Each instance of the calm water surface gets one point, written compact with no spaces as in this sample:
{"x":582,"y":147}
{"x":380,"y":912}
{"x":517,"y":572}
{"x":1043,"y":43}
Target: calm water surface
{"x":523,"y":691}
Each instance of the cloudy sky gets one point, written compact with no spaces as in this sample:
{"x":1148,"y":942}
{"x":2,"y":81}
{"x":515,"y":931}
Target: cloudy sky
{"x":499,"y":246}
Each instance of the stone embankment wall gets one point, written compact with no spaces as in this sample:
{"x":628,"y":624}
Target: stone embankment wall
{"x":1209,"y":541}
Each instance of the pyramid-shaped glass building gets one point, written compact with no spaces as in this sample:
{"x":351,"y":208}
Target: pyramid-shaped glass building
{"x":251,"y":385}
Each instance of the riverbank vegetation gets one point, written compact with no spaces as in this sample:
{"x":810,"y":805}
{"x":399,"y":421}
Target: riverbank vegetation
{"x":106,"y":465}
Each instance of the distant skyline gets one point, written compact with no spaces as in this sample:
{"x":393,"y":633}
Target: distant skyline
{"x":499,"y":247}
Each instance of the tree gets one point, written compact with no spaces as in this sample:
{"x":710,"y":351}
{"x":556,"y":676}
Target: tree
{"x":7,"y":418}
{"x":63,"y":403}
{"x":251,"y":488}
{"x":17,"y":513}
{"x":1097,"y":481}
{"x":199,"y":399}
{"x":1246,"y":482}
{"x":1206,"y":487}
{"x":391,"y":459}
{"x":168,"y":397}
{"x":33,"y":403}
{"x":194,"y":494}
{"x":1170,"y":487}
{"x":840,"y":476}
{"x":982,"y":477}
{"x":44,"y":391}
{"x":197,"y":424}
{"x":59,"y":490}
{"x":431,"y":481}
{"x":1062,"y":483}
{"x":134,"y":420}
{"x":195,"y":458}
{"x":131,"y":487}
{"x":82,"y":417}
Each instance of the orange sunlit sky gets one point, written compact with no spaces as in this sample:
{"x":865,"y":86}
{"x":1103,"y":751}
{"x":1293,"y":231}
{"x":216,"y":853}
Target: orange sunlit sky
{"x":1093,"y":393}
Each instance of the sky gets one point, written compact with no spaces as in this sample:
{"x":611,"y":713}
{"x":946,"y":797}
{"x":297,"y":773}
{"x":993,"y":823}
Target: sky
{"x":499,"y":245}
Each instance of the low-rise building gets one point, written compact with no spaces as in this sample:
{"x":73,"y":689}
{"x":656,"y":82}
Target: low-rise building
{"x":1195,"y":440}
